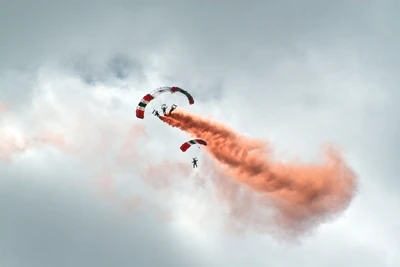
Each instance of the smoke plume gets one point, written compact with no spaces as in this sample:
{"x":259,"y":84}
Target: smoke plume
{"x":299,"y":195}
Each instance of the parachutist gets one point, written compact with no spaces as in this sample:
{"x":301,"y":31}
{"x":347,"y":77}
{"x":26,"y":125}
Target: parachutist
{"x":173,"y":107}
{"x":156,"y":113}
{"x":194,"y":161}
{"x":164,"y":109}
{"x":185,"y":146}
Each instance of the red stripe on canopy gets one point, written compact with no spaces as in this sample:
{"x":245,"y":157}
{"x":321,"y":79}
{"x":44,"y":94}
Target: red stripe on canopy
{"x":140,"y":114}
{"x":148,"y":97}
{"x":185,"y":146}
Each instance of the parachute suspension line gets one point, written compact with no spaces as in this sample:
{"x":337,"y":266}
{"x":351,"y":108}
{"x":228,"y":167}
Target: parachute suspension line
{"x":157,"y":102}
{"x":153,"y":104}
{"x":163,"y":101}
{"x":198,"y":151}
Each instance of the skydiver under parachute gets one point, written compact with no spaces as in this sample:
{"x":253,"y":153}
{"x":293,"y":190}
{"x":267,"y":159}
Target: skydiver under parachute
{"x":156,"y":113}
{"x":173,"y":107}
{"x":194,"y":161}
{"x":164,"y":109}
{"x":185,"y":146}
{"x":141,"y":107}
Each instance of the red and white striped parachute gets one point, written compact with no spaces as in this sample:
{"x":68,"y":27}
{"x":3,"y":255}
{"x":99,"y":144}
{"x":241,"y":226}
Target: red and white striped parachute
{"x":147,"y":98}
{"x":189,"y":143}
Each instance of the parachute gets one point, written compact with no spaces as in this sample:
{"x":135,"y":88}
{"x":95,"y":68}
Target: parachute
{"x":149,"y":97}
{"x":189,"y":143}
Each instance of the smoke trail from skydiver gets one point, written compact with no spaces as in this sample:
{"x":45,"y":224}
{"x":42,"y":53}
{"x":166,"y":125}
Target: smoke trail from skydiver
{"x":300,"y":195}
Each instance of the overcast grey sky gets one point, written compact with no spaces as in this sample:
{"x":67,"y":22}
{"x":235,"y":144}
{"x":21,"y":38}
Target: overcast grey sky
{"x":79,"y":175}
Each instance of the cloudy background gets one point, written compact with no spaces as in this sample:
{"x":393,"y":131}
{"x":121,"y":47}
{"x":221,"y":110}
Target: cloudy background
{"x":80,"y":179}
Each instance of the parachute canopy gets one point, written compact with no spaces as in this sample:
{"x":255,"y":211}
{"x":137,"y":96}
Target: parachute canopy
{"x":189,"y":143}
{"x":147,"y":98}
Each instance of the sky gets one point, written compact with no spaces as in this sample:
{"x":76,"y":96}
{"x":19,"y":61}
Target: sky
{"x":83,"y":182}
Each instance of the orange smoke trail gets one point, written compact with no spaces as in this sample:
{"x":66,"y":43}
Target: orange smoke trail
{"x":128,"y":150}
{"x":301,"y":195}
